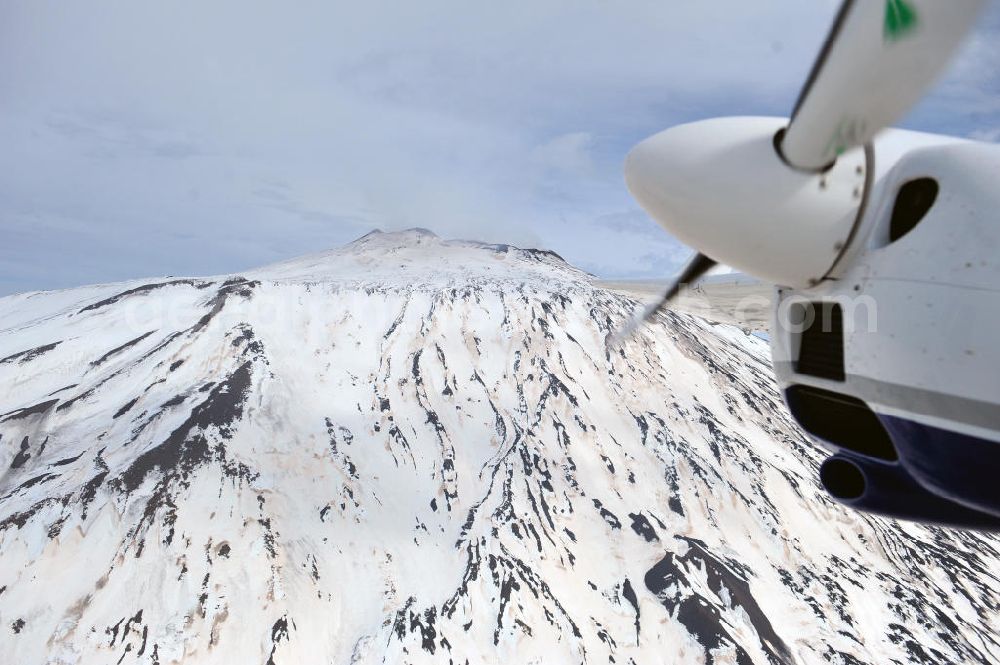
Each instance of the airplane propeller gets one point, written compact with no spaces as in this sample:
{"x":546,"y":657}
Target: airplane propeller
{"x":877,"y":62}
{"x":696,"y":267}
{"x":780,"y":199}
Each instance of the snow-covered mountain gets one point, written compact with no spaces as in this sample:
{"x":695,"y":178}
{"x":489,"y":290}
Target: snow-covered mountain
{"x":412,"y":450}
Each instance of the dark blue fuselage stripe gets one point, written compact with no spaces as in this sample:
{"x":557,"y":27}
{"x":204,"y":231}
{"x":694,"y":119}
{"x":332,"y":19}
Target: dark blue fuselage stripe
{"x":959,"y":467}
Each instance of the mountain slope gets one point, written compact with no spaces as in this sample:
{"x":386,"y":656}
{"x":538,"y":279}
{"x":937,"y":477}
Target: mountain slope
{"x":412,"y":450}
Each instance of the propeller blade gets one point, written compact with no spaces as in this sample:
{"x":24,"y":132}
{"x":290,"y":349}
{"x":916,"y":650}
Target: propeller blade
{"x":695,"y":268}
{"x":877,"y":62}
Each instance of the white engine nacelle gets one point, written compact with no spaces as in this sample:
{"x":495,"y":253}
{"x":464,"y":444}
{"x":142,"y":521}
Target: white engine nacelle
{"x":901,"y":357}
{"x":721,"y":186}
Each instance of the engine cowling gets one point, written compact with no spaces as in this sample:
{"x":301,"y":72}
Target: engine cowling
{"x":722,"y":187}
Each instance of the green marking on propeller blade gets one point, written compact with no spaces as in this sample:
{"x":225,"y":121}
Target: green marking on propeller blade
{"x":900,"y":19}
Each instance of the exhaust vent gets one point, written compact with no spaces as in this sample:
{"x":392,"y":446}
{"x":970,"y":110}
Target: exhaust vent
{"x":842,"y":479}
{"x":889,"y":489}
{"x":844,"y":421}
{"x":821,"y":342}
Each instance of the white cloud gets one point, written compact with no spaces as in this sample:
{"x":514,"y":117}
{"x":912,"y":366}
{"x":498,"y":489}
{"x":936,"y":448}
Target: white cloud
{"x":988,"y":135}
{"x":566,"y":154}
{"x":204,"y":137}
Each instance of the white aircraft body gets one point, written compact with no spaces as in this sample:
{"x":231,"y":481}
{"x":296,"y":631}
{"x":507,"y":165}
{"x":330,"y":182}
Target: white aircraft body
{"x":884,"y":246}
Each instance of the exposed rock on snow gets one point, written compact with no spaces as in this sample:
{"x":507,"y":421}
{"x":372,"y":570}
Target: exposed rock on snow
{"x":411,"y":450}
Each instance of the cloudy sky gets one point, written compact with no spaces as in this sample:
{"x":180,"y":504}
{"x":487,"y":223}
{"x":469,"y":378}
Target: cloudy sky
{"x":142,"y":138}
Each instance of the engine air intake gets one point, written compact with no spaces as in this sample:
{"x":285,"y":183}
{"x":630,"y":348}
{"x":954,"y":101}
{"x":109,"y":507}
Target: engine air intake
{"x":844,"y":421}
{"x":821,"y":342}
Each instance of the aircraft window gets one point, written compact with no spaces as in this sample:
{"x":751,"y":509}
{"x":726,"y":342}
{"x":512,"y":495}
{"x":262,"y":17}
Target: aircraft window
{"x":913,"y":201}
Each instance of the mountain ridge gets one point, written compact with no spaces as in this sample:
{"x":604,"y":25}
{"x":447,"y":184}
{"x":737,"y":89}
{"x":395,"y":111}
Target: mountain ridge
{"x":420,"y":451}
